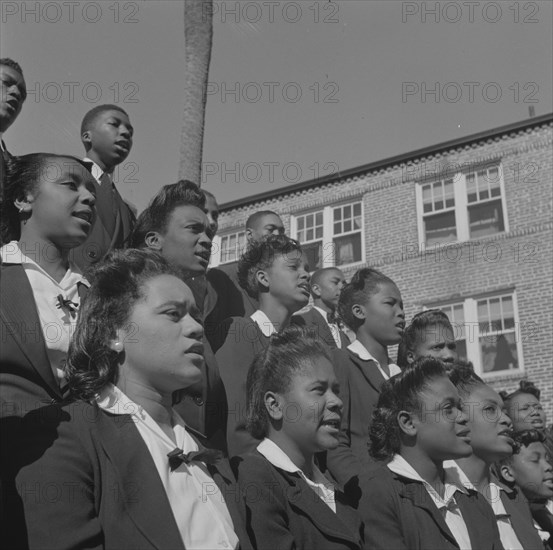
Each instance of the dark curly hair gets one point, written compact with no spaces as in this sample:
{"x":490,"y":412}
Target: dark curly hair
{"x":117,"y":284}
{"x":363,"y":284}
{"x":463,"y":377}
{"x":399,"y":393}
{"x":416,"y":331}
{"x":525,"y":386}
{"x":23,"y":176}
{"x":165,"y":202}
{"x":288,"y":352}
{"x":260,"y":255}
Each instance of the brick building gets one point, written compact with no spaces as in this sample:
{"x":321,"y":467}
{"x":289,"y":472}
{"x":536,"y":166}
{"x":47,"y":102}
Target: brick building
{"x":465,"y":226}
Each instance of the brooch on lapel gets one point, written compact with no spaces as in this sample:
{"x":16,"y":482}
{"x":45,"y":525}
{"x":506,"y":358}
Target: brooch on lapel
{"x":67,"y":306}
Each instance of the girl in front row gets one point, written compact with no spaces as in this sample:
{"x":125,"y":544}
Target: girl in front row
{"x":409,"y":502}
{"x":293,"y":406}
{"x":130,"y":474}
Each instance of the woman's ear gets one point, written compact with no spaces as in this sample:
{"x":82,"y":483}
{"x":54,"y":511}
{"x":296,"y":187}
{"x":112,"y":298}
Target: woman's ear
{"x":358,"y":311}
{"x":154,"y":240}
{"x":406,"y":424}
{"x":273,"y":405}
{"x":506,"y":472}
{"x":24,"y":205}
{"x":262,"y":278}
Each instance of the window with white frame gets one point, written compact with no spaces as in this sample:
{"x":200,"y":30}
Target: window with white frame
{"x":487,"y":332}
{"x":231,"y":247}
{"x":331,"y":236}
{"x":468,"y":205}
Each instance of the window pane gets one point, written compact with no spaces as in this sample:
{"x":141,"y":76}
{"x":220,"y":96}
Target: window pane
{"x":319,"y":233}
{"x":486,"y":219}
{"x":427,"y":197}
{"x":309,"y":235}
{"x":337,"y":228}
{"x":313,"y":252}
{"x":498,"y":353}
{"x":508,"y":312}
{"x":319,"y":218}
{"x":348,"y":249}
{"x":440,"y":228}
{"x":347,"y":211}
{"x":483,"y":316}
{"x":301,"y":222}
{"x":462,"y":349}
{"x":357,"y":209}
{"x":347,"y":226}
{"x":337,"y":214}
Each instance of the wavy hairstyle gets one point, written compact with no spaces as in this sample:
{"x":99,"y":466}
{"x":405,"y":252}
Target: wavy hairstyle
{"x":525,"y":386}
{"x":362,"y":286}
{"x":158,"y":213}
{"x":288,"y":352}
{"x":24,"y":175}
{"x":400,"y":393}
{"x":463,"y":377}
{"x":416,"y":331}
{"x":117,"y":285}
{"x":260,"y":255}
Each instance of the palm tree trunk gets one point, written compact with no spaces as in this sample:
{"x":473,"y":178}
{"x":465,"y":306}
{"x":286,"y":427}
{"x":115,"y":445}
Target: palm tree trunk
{"x":198,"y":38}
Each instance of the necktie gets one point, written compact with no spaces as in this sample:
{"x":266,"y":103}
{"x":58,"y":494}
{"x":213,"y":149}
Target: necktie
{"x":105,"y":203}
{"x":178,"y":456}
{"x":332,"y":319}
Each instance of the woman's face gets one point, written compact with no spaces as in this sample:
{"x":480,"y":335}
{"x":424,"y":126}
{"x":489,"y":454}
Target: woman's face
{"x":526,"y":412}
{"x":163,"y":340}
{"x":61,"y":206}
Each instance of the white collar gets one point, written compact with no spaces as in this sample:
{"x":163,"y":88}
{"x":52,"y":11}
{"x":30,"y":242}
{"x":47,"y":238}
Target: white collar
{"x":95,"y":170}
{"x":11,"y":253}
{"x":278,"y":458}
{"x":364,"y":354}
{"x":493,"y":490}
{"x":322,"y":312}
{"x":263,"y":322}
{"x":401,"y":467}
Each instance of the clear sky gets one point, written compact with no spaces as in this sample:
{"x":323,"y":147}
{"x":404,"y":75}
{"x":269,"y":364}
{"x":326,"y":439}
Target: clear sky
{"x":297,"y":89}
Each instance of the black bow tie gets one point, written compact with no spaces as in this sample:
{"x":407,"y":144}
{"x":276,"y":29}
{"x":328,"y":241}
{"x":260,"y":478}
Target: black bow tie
{"x":178,"y":456}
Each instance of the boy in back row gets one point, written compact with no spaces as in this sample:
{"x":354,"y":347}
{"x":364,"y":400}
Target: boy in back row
{"x":107,"y":136}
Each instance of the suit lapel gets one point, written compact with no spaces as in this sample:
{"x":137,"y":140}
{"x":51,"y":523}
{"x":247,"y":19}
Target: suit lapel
{"x":369,"y":369}
{"x":304,"y":499}
{"x":19,"y":310}
{"x":418,"y":495}
{"x":135,"y":468}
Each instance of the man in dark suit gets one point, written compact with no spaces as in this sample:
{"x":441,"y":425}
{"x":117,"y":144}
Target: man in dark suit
{"x":232,"y":300}
{"x":13,"y":92}
{"x":326,"y":285}
{"x":107,"y":135}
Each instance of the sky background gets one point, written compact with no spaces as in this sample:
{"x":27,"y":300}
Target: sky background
{"x":318,"y":86}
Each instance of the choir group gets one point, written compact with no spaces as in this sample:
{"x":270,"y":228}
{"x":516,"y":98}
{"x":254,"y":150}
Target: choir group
{"x":150,"y":402}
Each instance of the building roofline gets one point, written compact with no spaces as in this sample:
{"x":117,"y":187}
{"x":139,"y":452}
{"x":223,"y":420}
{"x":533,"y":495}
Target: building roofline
{"x":390,"y":161}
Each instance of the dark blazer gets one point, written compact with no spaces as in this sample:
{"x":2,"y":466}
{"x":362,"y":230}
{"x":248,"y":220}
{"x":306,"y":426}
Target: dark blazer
{"x":244,"y":341}
{"x":204,"y":407}
{"x":99,"y":242}
{"x":284,"y":513}
{"x":5,"y":156}
{"x":98,"y":487}
{"x":399,"y":514}
{"x":27,"y":383}
{"x":516,"y":505}
{"x":360,"y":383}
{"x":313,"y":320}
{"x":231,"y":301}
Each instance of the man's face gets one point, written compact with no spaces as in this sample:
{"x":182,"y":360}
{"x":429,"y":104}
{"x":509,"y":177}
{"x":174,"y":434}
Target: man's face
{"x":329,"y":286}
{"x":270,"y":224}
{"x":13,"y":92}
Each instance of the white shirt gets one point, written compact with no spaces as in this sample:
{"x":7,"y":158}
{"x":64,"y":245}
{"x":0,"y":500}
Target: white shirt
{"x":492,"y":494}
{"x":57,"y":325}
{"x":334,"y":328}
{"x":96,"y":171}
{"x":447,"y":505}
{"x":320,"y":484}
{"x":363,"y":353}
{"x":263,"y":322}
{"x":198,"y":506}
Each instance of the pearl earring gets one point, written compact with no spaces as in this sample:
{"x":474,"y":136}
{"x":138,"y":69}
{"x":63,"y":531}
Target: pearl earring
{"x":118,"y":347}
